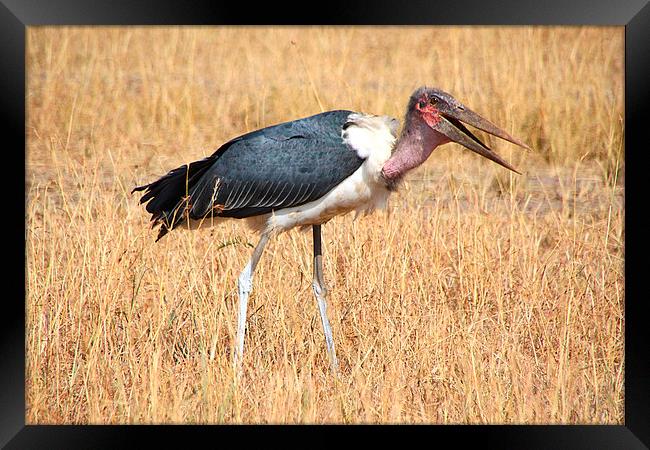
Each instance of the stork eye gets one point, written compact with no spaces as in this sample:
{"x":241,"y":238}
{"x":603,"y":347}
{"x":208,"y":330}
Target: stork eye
{"x":434,"y":100}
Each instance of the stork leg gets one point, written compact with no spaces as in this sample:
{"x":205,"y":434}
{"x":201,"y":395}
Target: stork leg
{"x":320,"y":291}
{"x":245,"y":286}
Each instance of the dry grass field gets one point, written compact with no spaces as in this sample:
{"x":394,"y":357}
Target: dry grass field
{"x":479,"y":296}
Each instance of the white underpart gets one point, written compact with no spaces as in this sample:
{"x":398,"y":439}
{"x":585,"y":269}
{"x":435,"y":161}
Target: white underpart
{"x":372,"y":137}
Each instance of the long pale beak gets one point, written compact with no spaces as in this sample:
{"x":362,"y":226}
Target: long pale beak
{"x":450,"y":125}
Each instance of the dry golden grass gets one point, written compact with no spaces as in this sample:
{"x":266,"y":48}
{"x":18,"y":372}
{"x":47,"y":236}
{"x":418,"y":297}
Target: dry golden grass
{"x":479,"y":297}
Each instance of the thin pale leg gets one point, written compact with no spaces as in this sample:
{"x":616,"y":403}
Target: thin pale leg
{"x":320,"y":291}
{"x":245,"y":286}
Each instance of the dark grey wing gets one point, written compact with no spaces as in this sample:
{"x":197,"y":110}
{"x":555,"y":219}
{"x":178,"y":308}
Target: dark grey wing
{"x":279,"y":167}
{"x":273,"y":168}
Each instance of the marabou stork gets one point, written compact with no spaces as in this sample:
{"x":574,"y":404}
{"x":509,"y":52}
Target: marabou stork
{"x":307,"y":171}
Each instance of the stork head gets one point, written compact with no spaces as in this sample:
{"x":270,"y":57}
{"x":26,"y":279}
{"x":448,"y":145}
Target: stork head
{"x":445,"y":116}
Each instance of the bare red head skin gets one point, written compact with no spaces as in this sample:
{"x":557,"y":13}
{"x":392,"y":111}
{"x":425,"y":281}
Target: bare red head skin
{"x":433,"y":118}
{"x":427,"y":111}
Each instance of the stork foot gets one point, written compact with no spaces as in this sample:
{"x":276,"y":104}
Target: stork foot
{"x":245,"y":287}
{"x":320,"y":291}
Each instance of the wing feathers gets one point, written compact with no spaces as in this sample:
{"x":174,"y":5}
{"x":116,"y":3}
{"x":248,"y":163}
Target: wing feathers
{"x":277,"y":167}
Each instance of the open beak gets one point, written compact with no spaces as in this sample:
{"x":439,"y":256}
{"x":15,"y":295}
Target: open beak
{"x":450,"y":124}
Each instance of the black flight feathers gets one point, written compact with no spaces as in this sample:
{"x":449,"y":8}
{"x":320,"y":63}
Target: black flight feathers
{"x":281,"y":166}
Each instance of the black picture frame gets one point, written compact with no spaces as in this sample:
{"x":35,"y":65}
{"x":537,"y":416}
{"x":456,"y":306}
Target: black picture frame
{"x":16,"y":15}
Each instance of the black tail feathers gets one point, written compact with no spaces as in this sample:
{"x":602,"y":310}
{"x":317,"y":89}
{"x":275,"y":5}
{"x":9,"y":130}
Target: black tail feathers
{"x":168,"y":195}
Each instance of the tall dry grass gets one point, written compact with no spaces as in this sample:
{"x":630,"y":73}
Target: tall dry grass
{"x":479,"y":296}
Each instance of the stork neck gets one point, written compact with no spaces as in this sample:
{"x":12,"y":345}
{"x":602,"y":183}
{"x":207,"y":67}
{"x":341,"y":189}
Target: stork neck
{"x":413,"y":147}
